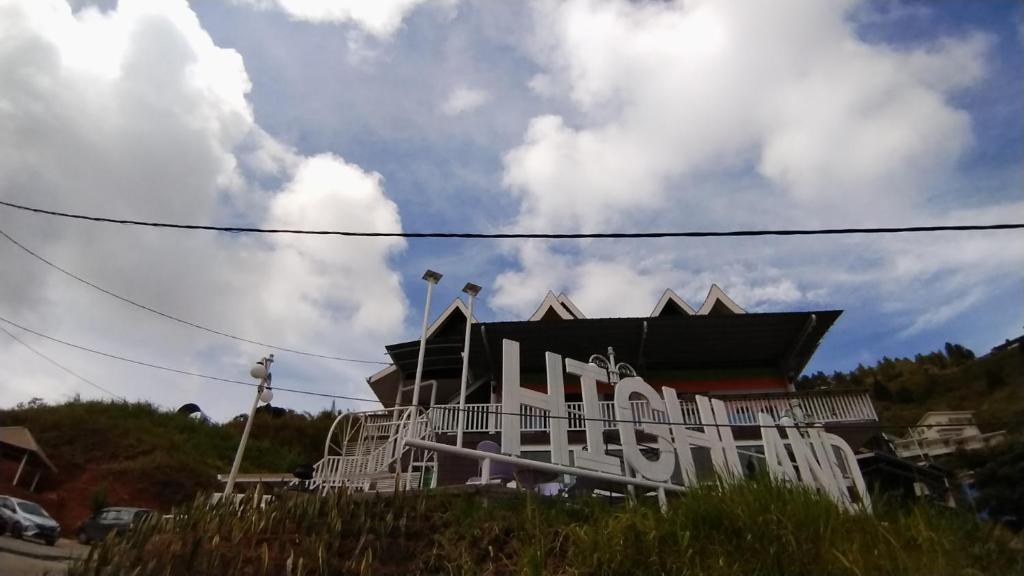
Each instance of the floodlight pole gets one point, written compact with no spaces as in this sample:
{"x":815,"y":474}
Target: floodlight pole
{"x":472,"y":290}
{"x":431,"y":278}
{"x":263,"y":393}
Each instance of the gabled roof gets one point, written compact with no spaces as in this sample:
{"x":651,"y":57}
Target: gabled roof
{"x":777,"y":341}
{"x":671,"y":303}
{"x":556,"y":307}
{"x":457,"y":309}
{"x":20,"y":437}
{"x":718,"y":302}
{"x":564,"y":301}
{"x":457,"y":306}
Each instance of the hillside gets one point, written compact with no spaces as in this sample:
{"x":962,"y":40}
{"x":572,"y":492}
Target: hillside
{"x":140,"y":455}
{"x":903,"y":389}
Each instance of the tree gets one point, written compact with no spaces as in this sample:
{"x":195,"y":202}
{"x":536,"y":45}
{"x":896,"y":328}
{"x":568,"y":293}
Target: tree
{"x":994,"y":379}
{"x":880,"y":392}
{"x":1000,"y":485}
{"x":958,"y":354}
{"x":816,"y":381}
{"x":98,"y":499}
{"x":903,"y":395}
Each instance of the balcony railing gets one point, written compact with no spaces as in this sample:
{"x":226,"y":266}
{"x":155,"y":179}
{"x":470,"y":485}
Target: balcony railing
{"x":823,"y":407}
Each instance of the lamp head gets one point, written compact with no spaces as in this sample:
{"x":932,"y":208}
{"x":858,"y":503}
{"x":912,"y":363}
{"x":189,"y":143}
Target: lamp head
{"x":471,"y":289}
{"x":266,"y":396}
{"x":258,"y":371}
{"x":432,"y":277}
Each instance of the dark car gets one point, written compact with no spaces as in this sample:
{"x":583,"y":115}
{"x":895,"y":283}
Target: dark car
{"x":118,"y":520}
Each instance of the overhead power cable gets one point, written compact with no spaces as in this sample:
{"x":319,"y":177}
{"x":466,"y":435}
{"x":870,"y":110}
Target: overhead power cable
{"x":520,"y":235}
{"x":168,"y":368}
{"x":579,"y":418}
{"x":175,"y":318}
{"x":61,"y":366}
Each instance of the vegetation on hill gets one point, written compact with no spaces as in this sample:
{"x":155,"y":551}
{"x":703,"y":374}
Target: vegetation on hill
{"x":138,"y":454}
{"x":903,"y":389}
{"x":743,"y":528}
{"x":998,"y":480}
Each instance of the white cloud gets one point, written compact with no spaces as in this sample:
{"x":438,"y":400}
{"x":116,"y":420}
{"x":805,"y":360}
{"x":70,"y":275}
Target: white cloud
{"x":670,"y":90}
{"x":464,"y":99}
{"x":380,"y":18}
{"x":136,"y":112}
{"x":728,"y":114}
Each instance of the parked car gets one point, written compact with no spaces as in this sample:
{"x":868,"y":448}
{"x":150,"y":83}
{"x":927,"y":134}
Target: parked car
{"x":117,"y":520}
{"x":22,"y":518}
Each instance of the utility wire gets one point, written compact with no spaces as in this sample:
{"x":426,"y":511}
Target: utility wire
{"x":61,"y":366}
{"x":175,"y":318}
{"x":167,"y":368}
{"x":581,"y":418}
{"x":519,"y":235}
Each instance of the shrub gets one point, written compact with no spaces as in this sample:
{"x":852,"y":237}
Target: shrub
{"x":98,"y":499}
{"x":879,"y":391}
{"x":994,"y":379}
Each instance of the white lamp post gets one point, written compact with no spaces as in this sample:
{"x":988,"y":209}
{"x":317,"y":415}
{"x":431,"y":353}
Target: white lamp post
{"x":472,"y":290}
{"x":431,"y":278}
{"x":260,"y":371}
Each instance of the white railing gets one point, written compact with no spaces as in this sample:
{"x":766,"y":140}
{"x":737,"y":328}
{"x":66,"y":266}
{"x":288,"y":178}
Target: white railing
{"x":824,"y":407}
{"x":367,"y":462}
{"x":920,"y":447}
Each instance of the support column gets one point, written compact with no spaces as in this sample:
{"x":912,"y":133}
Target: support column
{"x":20,"y":468}
{"x":34,"y":482}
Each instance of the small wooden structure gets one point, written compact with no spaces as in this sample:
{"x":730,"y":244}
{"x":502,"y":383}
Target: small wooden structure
{"x":16,"y":442}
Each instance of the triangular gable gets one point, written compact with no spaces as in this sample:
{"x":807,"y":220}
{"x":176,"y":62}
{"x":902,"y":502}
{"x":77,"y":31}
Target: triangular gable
{"x":569,"y":306}
{"x":449,"y":313}
{"x":718,"y":302}
{"x":671,"y":304}
{"x":455,"y":309}
{"x":552,"y":309}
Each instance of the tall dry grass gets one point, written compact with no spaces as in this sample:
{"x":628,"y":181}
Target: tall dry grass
{"x":742,"y":528}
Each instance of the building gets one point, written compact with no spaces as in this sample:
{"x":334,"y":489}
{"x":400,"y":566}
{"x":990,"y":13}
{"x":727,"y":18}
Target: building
{"x":901,"y":480}
{"x":1009,"y":344}
{"x":18,"y":444}
{"x":749,"y":361}
{"x":942,"y":433}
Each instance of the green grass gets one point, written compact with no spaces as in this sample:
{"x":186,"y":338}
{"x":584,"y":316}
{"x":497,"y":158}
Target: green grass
{"x":744,"y":528}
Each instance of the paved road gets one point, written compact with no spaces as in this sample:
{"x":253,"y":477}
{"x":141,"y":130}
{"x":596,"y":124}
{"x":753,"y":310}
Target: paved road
{"x":31,"y":558}
{"x":14,"y":565}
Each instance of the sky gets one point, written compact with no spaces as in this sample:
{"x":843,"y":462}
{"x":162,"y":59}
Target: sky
{"x":466,"y":115}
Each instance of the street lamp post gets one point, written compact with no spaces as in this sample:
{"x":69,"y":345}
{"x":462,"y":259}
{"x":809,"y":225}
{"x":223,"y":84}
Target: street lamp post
{"x":431,"y":278}
{"x":472,"y":290}
{"x":260,"y":371}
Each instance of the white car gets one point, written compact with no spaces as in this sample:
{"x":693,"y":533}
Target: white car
{"x":21,"y":518}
